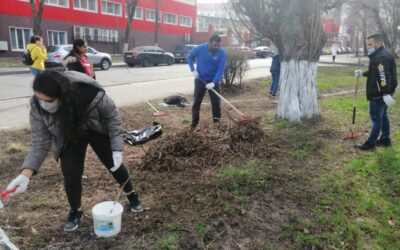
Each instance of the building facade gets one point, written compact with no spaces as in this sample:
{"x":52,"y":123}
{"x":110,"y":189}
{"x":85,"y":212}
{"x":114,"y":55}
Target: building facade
{"x":101,"y":22}
{"x":214,"y":19}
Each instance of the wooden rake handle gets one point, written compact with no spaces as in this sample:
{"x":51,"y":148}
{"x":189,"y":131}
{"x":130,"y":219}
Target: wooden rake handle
{"x":151,"y":106}
{"x":227,"y":102}
{"x":220,"y":96}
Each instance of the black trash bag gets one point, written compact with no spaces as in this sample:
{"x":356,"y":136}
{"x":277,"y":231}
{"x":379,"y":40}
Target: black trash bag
{"x":180,"y":101}
{"x":138,"y":137}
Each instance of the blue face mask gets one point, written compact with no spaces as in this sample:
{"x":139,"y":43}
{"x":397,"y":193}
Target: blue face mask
{"x":49,"y":107}
{"x":371,"y":50}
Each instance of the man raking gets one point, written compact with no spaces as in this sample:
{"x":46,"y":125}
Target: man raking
{"x":211,"y":59}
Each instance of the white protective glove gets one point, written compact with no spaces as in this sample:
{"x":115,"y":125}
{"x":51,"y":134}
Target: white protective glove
{"x":358,"y":73}
{"x":195,"y":74}
{"x":21,"y":182}
{"x":117,"y":159}
{"x":388,"y":100}
{"x":210,"y":85}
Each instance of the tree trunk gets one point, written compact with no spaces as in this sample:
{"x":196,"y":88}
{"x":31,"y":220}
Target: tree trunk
{"x":37,"y":16}
{"x":156,"y":24}
{"x":131,"y":7}
{"x":302,"y":41}
{"x":298,"y":93}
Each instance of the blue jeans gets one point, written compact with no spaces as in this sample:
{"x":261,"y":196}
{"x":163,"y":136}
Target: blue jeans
{"x":34,"y":71}
{"x":380,"y":120}
{"x":275,"y":82}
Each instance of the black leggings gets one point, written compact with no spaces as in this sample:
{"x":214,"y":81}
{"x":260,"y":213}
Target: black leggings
{"x":72,"y":164}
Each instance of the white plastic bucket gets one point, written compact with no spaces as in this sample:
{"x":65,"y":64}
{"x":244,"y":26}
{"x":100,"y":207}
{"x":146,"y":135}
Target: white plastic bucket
{"x":107,"y":218}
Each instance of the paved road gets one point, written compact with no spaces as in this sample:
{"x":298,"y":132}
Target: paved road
{"x":125,"y":85}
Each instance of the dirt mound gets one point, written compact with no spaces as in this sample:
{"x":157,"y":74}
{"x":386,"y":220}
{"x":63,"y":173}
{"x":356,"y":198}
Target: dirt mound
{"x":185,"y":149}
{"x":207,"y":148}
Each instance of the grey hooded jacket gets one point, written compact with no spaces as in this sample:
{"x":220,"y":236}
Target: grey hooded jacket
{"x":102,"y":116}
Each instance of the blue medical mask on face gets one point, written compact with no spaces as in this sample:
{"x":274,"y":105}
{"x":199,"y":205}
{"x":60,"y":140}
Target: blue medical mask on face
{"x":371,"y":50}
{"x":49,"y":107}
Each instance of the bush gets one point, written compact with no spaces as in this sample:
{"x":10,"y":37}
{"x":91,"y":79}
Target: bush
{"x":236,"y":67}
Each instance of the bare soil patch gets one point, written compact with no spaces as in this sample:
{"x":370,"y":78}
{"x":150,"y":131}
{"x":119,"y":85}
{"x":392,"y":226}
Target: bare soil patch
{"x":180,"y":180}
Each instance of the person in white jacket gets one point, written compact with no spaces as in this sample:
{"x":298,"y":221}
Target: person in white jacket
{"x":334,"y":53}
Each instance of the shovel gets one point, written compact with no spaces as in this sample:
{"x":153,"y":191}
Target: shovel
{"x":243,"y":118}
{"x":156,"y":112}
{"x":352,"y":135}
{"x":6,"y":193}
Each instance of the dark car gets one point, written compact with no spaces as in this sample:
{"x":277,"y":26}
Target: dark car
{"x":182,"y":51}
{"x":263,"y":51}
{"x":148,"y":56}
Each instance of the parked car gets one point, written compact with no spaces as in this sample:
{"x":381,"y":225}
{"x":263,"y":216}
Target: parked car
{"x":182,"y":51}
{"x":263,"y":51}
{"x":248,"y":53}
{"x":147,"y":56}
{"x":349,"y":50}
{"x":343,"y":49}
{"x":56,"y":54}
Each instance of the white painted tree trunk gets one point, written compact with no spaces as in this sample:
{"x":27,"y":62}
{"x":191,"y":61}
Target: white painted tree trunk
{"x":298,"y":93}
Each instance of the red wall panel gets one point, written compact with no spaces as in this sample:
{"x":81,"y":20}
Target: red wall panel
{"x":22,"y":8}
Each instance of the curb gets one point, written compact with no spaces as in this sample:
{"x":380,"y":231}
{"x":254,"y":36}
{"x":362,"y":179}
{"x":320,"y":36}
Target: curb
{"x":19,"y":72}
{"x":344,"y":64}
{"x":15,"y":72}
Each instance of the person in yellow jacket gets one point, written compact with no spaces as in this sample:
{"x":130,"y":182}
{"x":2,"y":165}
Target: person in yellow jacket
{"x":38,"y":53}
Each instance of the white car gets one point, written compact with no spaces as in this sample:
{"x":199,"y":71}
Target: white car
{"x":56,"y":55}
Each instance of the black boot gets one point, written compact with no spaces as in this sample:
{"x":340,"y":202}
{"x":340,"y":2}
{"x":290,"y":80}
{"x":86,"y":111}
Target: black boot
{"x":383,"y":143}
{"x":365,"y":146}
{"x":136,"y":205}
{"x":73,"y":221}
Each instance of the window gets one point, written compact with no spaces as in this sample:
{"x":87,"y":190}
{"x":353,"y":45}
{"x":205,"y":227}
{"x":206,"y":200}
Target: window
{"x":187,"y":38}
{"x":113,"y":36}
{"x":87,"y":36}
{"x":19,"y":38}
{"x":138,"y":13}
{"x":111,"y":8}
{"x":95,"y":34}
{"x":78,"y":32}
{"x":170,"y":18}
{"x":86,"y":5}
{"x":56,"y":37}
{"x":90,"y":50}
{"x":151,"y":15}
{"x":58,"y":3}
{"x":186,"y":21}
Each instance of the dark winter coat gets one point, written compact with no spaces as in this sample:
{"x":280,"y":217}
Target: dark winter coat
{"x":76,"y":65}
{"x":102,"y":116}
{"x":276,"y":63}
{"x":382,"y":75}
